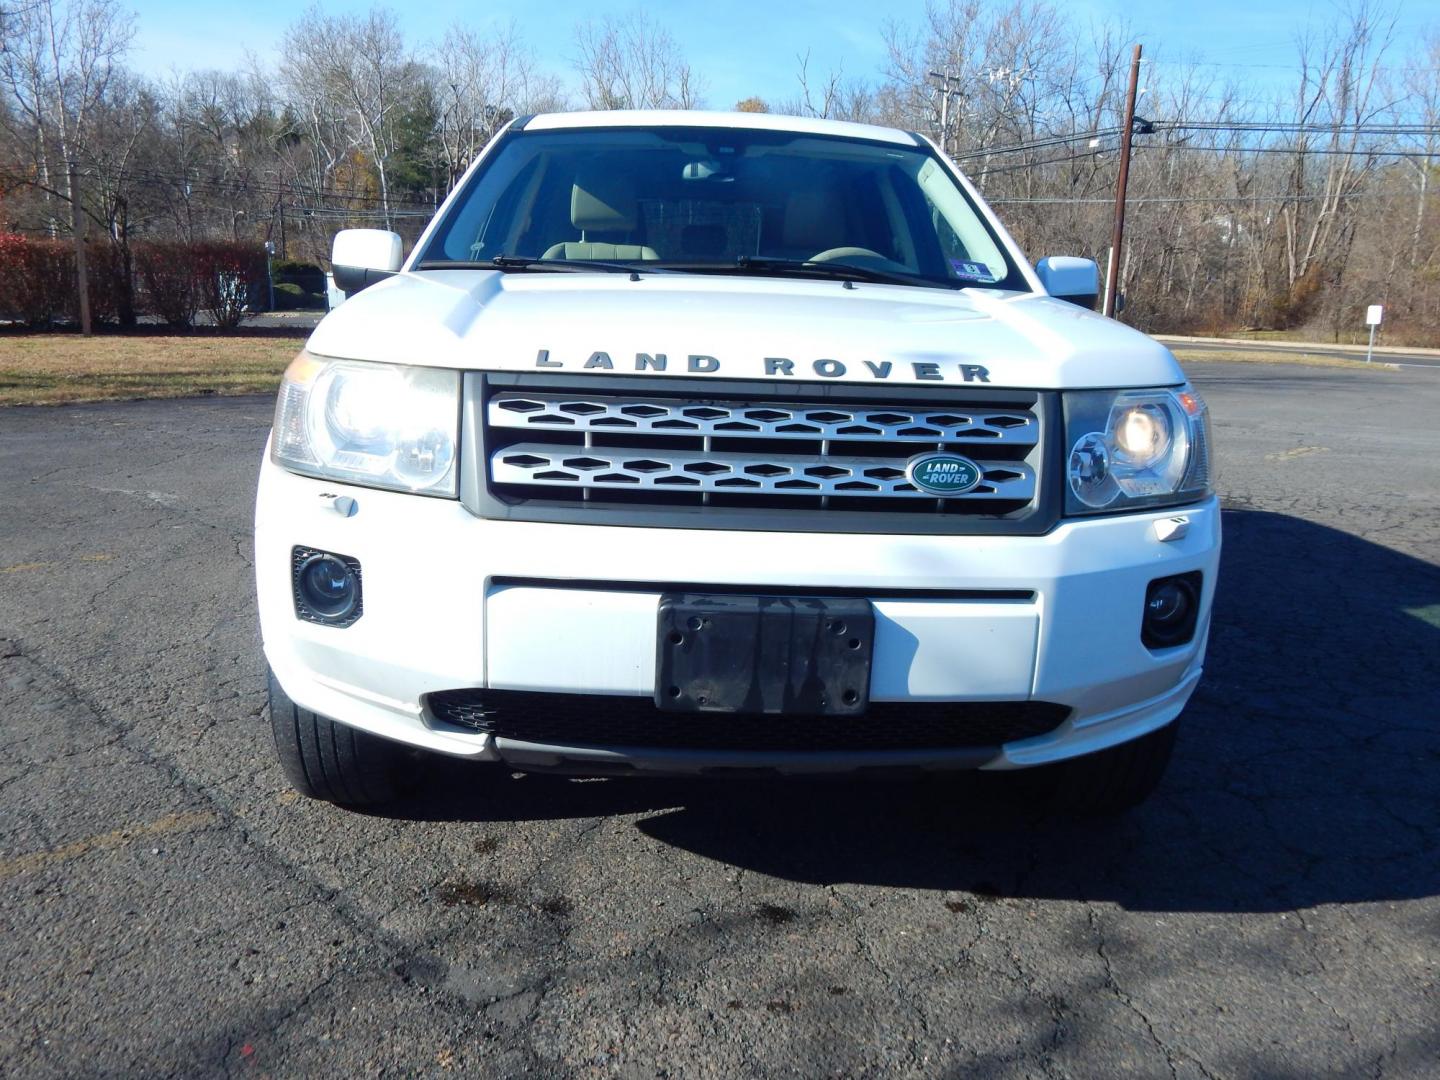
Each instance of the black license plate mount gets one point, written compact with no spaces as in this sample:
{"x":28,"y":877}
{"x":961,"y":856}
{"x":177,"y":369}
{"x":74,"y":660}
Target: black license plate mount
{"x":775,"y":655}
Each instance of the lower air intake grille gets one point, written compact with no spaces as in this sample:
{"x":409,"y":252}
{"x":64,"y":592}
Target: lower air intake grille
{"x":605,"y":721}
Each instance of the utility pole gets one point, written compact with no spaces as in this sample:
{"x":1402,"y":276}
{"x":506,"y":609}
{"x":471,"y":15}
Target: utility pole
{"x":77,"y":226}
{"x":1117,"y":236}
{"x":949,"y":84}
{"x":944,"y":120}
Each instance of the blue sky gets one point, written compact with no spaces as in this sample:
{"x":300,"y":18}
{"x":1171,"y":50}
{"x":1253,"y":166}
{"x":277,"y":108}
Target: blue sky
{"x":749,"y":47}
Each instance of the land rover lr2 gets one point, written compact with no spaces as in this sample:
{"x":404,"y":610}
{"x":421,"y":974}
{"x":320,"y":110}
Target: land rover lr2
{"x":689,"y":443}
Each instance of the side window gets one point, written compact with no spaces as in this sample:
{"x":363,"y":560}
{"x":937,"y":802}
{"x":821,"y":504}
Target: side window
{"x":899,"y":223}
{"x":949,"y":243}
{"x":545,"y":217}
{"x":493,"y":237}
{"x":971,"y":255}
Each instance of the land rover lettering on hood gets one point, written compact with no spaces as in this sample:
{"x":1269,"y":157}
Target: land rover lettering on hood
{"x":702,"y":444}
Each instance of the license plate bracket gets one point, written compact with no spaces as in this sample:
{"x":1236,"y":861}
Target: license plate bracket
{"x":773,"y":655}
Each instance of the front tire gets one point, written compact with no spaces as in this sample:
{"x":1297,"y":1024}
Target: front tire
{"x":334,"y":762}
{"x":1108,"y":782}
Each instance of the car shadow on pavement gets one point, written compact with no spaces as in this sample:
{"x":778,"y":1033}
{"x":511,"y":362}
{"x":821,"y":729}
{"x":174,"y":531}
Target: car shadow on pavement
{"x":1306,"y":769}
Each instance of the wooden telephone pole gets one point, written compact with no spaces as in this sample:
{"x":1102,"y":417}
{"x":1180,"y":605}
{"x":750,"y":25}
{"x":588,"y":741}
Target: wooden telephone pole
{"x":77,"y":226}
{"x":1117,"y":235}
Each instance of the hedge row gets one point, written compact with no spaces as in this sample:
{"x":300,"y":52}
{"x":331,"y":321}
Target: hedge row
{"x":170,"y":280}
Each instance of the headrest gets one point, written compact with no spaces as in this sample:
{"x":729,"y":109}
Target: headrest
{"x":814,"y":220}
{"x":603,"y":202}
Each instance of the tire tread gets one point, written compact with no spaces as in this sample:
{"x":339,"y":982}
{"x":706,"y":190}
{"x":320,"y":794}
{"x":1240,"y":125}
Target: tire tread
{"x":1115,"y":780}
{"x":326,"y":760}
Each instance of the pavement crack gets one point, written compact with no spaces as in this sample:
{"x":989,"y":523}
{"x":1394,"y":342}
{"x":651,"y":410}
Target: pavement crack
{"x":1113,"y":984}
{"x":392,"y":948}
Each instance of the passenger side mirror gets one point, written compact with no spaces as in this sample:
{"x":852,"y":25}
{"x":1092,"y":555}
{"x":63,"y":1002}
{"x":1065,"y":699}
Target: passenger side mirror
{"x":361,"y":257}
{"x":1068,"y":278}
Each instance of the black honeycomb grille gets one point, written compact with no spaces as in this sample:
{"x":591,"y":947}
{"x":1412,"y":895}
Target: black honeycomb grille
{"x":596,"y":720}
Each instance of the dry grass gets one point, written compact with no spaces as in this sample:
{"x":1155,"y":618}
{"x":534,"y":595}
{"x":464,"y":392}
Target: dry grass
{"x":53,"y":369}
{"x":1239,"y":355}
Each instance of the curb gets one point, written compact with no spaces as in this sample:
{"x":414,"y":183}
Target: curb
{"x":1296,"y":346}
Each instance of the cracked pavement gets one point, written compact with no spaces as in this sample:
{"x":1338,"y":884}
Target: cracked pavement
{"x":169,"y":907}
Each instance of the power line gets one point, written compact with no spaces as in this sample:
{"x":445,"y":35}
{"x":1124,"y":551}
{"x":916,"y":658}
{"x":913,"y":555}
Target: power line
{"x":1283,"y":67}
{"x":1253,"y":127}
{"x":1036,"y":144}
{"x":1281,"y":127}
{"x":1309,"y":150}
{"x":1418,"y":155}
{"x":993,"y":170}
{"x":276,"y":188}
{"x":1218,"y":199}
{"x":343,"y":212}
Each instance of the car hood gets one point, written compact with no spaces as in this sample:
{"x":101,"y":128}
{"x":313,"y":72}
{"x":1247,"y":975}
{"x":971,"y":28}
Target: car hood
{"x":678,"y":324}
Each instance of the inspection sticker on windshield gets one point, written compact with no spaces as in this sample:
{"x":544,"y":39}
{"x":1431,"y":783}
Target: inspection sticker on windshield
{"x":972,"y":270}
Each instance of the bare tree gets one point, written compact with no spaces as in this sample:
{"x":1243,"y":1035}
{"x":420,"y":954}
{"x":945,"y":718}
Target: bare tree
{"x":1339,"y":85}
{"x":58,"y":60}
{"x":482,"y":82}
{"x":355,"y":66}
{"x":633,"y":63}
{"x":1422,"y":87}
{"x":57,"y":63}
{"x":831,"y":96}
{"x":946,"y":42}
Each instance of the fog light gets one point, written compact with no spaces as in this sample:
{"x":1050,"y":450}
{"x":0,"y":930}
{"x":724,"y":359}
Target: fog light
{"x":326,"y":587}
{"x":1172,"y":607}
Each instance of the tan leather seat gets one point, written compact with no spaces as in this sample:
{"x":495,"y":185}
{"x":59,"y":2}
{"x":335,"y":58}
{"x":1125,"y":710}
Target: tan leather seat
{"x":602,"y":203}
{"x":587,"y":249}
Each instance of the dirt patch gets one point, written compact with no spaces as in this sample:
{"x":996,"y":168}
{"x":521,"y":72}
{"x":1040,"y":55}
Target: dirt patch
{"x":775,"y":915}
{"x":474,"y":893}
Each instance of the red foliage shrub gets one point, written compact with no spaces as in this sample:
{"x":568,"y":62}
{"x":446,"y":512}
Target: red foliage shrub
{"x":167,"y":275}
{"x":228,"y":276}
{"x":111,"y":292}
{"x":37,"y":279}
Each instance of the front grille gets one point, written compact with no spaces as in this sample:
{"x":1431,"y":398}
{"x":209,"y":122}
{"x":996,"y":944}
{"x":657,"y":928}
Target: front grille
{"x":605,"y":721}
{"x":709,"y":452}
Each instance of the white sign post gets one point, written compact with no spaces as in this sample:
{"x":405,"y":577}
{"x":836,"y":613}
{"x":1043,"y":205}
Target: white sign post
{"x":1373,"y":314}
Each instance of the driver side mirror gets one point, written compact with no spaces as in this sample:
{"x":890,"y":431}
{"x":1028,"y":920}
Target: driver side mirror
{"x":1076,"y":281}
{"x":361,"y":257}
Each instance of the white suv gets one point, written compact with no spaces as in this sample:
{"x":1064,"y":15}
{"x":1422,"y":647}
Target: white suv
{"x":696,"y":443}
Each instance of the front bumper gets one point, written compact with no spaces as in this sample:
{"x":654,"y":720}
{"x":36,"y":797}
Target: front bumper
{"x":454,"y":601}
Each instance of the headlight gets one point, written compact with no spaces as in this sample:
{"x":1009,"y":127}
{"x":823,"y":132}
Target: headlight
{"x":381,"y":425}
{"x":1131,"y":449}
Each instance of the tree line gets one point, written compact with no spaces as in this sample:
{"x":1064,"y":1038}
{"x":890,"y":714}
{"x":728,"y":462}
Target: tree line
{"x":1286,"y":199}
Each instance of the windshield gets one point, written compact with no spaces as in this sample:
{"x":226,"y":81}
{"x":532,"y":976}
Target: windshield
{"x":721,"y":200}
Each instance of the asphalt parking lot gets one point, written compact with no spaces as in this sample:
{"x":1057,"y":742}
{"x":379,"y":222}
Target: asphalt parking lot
{"x":168,"y":907}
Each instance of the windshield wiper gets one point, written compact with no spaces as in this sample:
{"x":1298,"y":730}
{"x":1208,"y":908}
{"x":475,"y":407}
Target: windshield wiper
{"x":830,"y":271}
{"x":743,"y":264}
{"x":838,"y":270}
{"x":527,"y":262}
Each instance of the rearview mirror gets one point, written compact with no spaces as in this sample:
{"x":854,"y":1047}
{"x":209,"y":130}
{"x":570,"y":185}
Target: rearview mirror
{"x":361,"y":257}
{"x":1068,"y":278}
